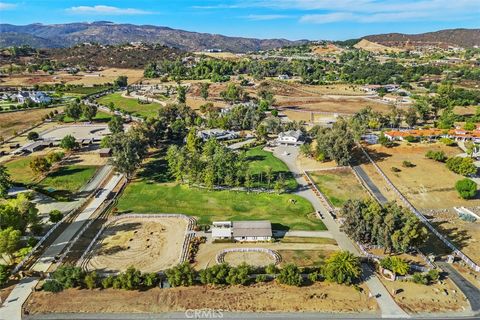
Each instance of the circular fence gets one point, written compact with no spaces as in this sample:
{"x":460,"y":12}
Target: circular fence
{"x":220,"y":258}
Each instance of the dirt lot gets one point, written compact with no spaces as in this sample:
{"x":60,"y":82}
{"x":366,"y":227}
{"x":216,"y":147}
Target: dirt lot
{"x":207,"y":253}
{"x":150,"y":245}
{"x":86,"y":158}
{"x":18,"y":121}
{"x":466,"y":235}
{"x":252,"y":258}
{"x":89,"y":79}
{"x":270,"y":297}
{"x":418,"y":298}
{"x":429,"y":185}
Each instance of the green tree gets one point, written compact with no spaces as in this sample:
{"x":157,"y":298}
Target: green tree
{"x":9,"y":240}
{"x":5,"y":182}
{"x":89,"y":112}
{"x":40,"y":165}
{"x":181,"y":94}
{"x":204,"y":90}
{"x":55,"y":216}
{"x":342,"y":267}
{"x":181,"y":275}
{"x":232,"y":93}
{"x":463,"y":166}
{"x":68,"y":143}
{"x":411,"y":117}
{"x":116,"y":124}
{"x":466,"y":188}
{"x":4,"y":274}
{"x":238,"y":275}
{"x":128,"y":151}
{"x":32,"y":135}
{"x":74,"y":111}
{"x":69,"y":276}
{"x":121,"y":81}
{"x":216,"y":274}
{"x":337,"y":143}
{"x":151,"y":279}
{"x":290,"y":275}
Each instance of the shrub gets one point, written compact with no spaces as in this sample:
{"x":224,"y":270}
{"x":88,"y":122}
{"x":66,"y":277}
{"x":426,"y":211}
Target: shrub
{"x":466,"y":188}
{"x":433,"y":275}
{"x":238,"y":275}
{"x":216,"y":274}
{"x":68,"y":276}
{"x":181,"y":275}
{"x":448,"y":142}
{"x":54,"y":157}
{"x":395,"y":169}
{"x":314,"y":276}
{"x":271,"y":269}
{"x":395,"y":264}
{"x":151,"y":279}
{"x":420,"y":278}
{"x":108,"y":282}
{"x":68,"y":143}
{"x":91,"y":280}
{"x":290,"y":275}
{"x":463,"y":166}
{"x":439,"y":156}
{"x":32,"y":135}
{"x":261,"y":278}
{"x":55,"y":216}
{"x":52,"y":286}
{"x":411,"y":139}
{"x":407,"y":164}
{"x":4,"y":274}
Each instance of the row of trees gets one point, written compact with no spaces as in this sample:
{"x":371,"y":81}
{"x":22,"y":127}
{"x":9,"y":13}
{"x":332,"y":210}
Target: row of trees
{"x":342,"y":267}
{"x":394,"y":228}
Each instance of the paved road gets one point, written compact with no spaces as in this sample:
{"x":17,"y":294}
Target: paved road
{"x":11,"y":309}
{"x":373,"y":188}
{"x":469,"y":290}
{"x":387,"y":305}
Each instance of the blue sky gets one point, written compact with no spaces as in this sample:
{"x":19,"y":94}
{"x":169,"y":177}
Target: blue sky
{"x":291,"y":19}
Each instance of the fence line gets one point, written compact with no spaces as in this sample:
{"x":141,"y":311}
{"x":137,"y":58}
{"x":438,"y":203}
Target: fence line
{"x":220,"y":258}
{"x":422,"y":218}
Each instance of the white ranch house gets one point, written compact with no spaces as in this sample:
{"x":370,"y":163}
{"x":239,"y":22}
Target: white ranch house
{"x":292,"y":137}
{"x":242,"y":231}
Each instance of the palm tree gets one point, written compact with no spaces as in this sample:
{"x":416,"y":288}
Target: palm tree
{"x":342,"y":267}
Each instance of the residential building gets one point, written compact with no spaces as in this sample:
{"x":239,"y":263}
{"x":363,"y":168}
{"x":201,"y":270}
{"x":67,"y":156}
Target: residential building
{"x":242,"y":231}
{"x":292,"y":137}
{"x":35,"y":96}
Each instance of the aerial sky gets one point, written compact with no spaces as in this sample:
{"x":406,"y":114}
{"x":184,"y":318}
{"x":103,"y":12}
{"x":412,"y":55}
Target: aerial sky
{"x":290,"y":19}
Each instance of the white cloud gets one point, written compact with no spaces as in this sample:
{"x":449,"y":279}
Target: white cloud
{"x":106,"y":10}
{"x":266,"y":17}
{"x":7,"y":6}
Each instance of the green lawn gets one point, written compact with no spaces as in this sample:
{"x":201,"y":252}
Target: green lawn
{"x":130,"y":105}
{"x":338,"y":186}
{"x":260,"y":160}
{"x":19,"y":170}
{"x":100,"y":117}
{"x":61,"y":183}
{"x":208,"y":206}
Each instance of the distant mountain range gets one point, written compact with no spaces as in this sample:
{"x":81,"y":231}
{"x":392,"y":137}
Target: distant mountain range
{"x":104,"y":32}
{"x":465,"y":38}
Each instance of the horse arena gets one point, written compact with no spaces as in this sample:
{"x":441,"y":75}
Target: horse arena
{"x":149,"y":244}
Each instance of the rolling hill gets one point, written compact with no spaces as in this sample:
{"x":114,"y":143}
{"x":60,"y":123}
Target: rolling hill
{"x":104,"y":32}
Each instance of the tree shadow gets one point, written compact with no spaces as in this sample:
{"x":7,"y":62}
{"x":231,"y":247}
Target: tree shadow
{"x":457,"y":236}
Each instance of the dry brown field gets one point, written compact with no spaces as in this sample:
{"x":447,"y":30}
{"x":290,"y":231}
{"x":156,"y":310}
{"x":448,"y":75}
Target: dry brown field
{"x":419,"y":298}
{"x":88,"y":79}
{"x":429,"y":185}
{"x":252,"y":258}
{"x":11,"y":122}
{"x":150,"y":245}
{"x":267,"y":297}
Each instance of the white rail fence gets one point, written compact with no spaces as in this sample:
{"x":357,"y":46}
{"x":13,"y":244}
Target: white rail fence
{"x":191,"y":222}
{"x":422,"y":218}
{"x":220,"y":258}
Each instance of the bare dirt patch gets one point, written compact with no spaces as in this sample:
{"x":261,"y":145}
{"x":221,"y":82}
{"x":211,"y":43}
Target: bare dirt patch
{"x":150,"y":245}
{"x":251,"y":258}
{"x":418,"y":298}
{"x":270,"y":297}
{"x":428,"y":185}
{"x":11,"y":122}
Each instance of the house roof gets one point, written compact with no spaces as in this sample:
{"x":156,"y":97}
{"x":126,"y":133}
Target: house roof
{"x":252,"y":228}
{"x":297,"y":134}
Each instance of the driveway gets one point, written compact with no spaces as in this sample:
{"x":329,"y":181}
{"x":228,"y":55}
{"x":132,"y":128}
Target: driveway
{"x":387,"y":305}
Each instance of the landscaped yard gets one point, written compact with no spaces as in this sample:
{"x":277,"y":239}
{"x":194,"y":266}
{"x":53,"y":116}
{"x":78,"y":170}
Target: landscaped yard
{"x":208,"y":206}
{"x":130,"y":105}
{"x":68,"y":178}
{"x":260,"y":161}
{"x":338,"y":185}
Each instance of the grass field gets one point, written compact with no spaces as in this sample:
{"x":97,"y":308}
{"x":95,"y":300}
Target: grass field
{"x":208,"y":206}
{"x":68,"y":178}
{"x":130,"y":105}
{"x":260,"y":161}
{"x":19,"y":170}
{"x":100,"y":117}
{"x":338,"y":186}
{"x":12,"y":122}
